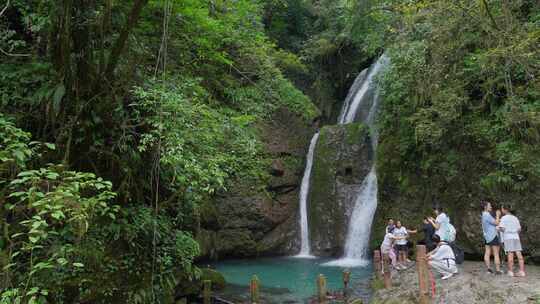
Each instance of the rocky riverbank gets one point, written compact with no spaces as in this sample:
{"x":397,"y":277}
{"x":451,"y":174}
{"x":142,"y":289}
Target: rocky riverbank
{"x":473,"y":285}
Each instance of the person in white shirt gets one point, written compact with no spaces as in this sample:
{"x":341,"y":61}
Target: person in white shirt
{"x":400,"y":234}
{"x":442,"y":259}
{"x":387,"y":247}
{"x":440,"y":222}
{"x":510,"y":227}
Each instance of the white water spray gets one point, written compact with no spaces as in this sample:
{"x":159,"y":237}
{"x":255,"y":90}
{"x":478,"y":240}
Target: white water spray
{"x":305,"y":248}
{"x":358,"y":96}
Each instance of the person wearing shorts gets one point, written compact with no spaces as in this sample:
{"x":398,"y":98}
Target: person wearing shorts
{"x":511,"y":228}
{"x":400,"y":234}
{"x":491,"y":238}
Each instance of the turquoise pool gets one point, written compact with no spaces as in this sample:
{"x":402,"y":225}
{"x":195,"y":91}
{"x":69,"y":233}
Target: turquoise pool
{"x":287,"y":280}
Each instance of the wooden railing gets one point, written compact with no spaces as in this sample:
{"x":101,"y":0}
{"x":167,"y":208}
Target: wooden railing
{"x":381,"y":265}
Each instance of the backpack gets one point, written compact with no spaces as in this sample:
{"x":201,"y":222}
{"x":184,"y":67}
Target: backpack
{"x":458,"y":252}
{"x":450,"y":235}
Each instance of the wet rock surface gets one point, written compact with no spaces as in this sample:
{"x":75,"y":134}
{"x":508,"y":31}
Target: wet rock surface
{"x":342,"y":161}
{"x":249,"y":221}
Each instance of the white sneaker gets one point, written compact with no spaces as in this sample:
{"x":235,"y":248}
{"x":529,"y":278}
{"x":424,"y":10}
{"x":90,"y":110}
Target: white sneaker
{"x":448,"y":276}
{"x":510,"y":273}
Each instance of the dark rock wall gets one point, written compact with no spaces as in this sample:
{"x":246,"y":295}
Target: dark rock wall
{"x":248,"y":221}
{"x":342,"y":160}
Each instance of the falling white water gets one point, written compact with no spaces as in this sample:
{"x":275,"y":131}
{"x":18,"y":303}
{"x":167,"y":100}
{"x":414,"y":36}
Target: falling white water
{"x":359,"y":230}
{"x":357,"y":84}
{"x":358,"y":92}
{"x":304,"y":191}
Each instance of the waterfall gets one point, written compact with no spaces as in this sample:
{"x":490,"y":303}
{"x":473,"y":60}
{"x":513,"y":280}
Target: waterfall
{"x":364,"y":101}
{"x":359,"y":93}
{"x":304,"y":191}
{"x":357,"y":84}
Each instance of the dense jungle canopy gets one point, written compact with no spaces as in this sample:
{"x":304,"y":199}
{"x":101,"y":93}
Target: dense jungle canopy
{"x":121,"y":120}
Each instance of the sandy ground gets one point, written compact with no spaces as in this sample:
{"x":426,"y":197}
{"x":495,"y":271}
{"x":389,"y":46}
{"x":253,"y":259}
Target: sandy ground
{"x":472,"y":285}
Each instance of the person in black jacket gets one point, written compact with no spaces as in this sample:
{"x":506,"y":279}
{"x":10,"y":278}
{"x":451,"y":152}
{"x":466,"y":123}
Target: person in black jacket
{"x":429,"y":231}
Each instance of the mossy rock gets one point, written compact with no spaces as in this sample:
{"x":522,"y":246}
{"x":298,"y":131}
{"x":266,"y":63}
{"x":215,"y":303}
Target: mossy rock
{"x":343,"y":158}
{"x":236,"y":243}
{"x":191,"y":287}
{"x":209,"y":215}
{"x":217,"y":279}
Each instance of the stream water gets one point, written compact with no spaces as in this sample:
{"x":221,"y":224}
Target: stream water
{"x":288,"y":279}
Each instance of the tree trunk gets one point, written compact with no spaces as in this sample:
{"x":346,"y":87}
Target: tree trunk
{"x":122,"y":39}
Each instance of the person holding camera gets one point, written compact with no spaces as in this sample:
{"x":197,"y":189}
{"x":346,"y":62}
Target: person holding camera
{"x":491,"y":238}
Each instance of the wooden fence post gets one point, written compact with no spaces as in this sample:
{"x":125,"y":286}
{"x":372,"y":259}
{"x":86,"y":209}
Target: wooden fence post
{"x":207,"y":291}
{"x":387,"y":272}
{"x":377,"y":264}
{"x":346,"y":280}
{"x":421,"y":269}
{"x":254,"y":289}
{"x":321,"y":288}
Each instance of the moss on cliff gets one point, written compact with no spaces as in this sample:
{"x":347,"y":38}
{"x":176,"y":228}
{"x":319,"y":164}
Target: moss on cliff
{"x":341,"y":161}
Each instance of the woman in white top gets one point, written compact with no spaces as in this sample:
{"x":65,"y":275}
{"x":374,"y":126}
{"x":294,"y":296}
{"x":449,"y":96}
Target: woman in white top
{"x":511,"y":228}
{"x":440,"y":222}
{"x":442,"y":259}
{"x":400,"y":235}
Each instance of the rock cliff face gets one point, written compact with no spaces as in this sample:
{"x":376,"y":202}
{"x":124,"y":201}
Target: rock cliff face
{"x":342,"y":160}
{"x":246,"y":221}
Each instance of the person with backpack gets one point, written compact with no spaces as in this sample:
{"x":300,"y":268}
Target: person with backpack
{"x":443,"y":228}
{"x":511,"y":228}
{"x":491,"y":238}
{"x":442,"y":259}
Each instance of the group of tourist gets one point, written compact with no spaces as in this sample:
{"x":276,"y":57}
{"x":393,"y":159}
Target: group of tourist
{"x":499,"y":227}
{"x":502,"y":227}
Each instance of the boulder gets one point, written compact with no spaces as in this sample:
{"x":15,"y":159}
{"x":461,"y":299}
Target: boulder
{"x":191,"y":287}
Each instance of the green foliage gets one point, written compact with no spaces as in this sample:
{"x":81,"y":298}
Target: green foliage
{"x":200,"y":147}
{"x":58,"y":208}
{"x":84,"y":75}
{"x":15,"y":148}
{"x":462,"y":80}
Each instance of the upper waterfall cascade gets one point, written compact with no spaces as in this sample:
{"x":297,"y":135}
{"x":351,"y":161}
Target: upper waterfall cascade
{"x":362,"y":95}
